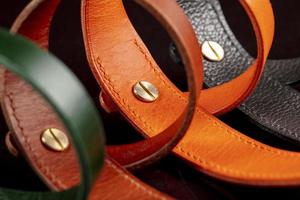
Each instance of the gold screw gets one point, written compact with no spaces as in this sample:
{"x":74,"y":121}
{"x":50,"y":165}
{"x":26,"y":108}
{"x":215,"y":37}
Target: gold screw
{"x":55,"y":139}
{"x":212,"y":51}
{"x":145,"y":91}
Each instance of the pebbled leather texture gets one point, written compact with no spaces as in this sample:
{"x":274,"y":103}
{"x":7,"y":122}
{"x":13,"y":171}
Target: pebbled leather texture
{"x":274,"y":105}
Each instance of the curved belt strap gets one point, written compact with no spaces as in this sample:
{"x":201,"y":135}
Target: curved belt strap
{"x":273,"y":104}
{"x":192,"y":56}
{"x":223,"y":98}
{"x":210,"y":145}
{"x":25,"y":60}
{"x":172,"y":17}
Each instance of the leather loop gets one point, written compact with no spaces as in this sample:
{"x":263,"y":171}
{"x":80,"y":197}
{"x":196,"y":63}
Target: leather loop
{"x":172,"y":17}
{"x":272,"y":104}
{"x":25,"y":59}
{"x":223,"y":98}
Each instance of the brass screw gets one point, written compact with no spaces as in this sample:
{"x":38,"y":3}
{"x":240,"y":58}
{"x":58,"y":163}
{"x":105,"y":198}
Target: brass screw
{"x":145,"y":91}
{"x":212,"y":51}
{"x":55,"y":139}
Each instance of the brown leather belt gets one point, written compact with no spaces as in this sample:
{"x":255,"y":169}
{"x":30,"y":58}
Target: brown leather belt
{"x":20,"y":109}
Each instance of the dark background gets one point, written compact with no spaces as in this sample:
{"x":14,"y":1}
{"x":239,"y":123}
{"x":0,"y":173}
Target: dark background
{"x":170,"y":174}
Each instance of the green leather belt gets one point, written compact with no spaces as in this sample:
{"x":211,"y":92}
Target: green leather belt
{"x":52,"y":79}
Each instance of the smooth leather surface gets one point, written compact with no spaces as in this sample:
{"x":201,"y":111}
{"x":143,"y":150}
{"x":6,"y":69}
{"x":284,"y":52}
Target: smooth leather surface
{"x":22,"y":95}
{"x":274,"y":105}
{"x":170,"y":15}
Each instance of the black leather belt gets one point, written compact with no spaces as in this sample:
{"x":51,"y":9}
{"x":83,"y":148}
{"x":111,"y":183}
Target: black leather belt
{"x":274,"y":105}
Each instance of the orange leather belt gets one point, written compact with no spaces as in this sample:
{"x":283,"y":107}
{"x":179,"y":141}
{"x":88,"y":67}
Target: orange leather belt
{"x":18,"y":98}
{"x":119,"y":59}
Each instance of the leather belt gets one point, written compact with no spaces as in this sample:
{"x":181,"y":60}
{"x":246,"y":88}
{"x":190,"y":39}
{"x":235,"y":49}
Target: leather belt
{"x":273,"y":103}
{"x":139,"y":153}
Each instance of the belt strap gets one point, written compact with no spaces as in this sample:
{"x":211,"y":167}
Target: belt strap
{"x":172,"y":17}
{"x":235,"y":91}
{"x":273,"y":105}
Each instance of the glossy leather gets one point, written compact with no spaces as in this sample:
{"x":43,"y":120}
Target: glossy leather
{"x":55,"y":165}
{"x":180,"y":30}
{"x":273,"y":105}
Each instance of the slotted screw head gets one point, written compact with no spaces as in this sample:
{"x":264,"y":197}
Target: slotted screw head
{"x":145,"y":91}
{"x":55,"y":139}
{"x":212,"y":51}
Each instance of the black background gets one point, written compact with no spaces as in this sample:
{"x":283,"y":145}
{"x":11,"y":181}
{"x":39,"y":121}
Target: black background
{"x":170,"y":174}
